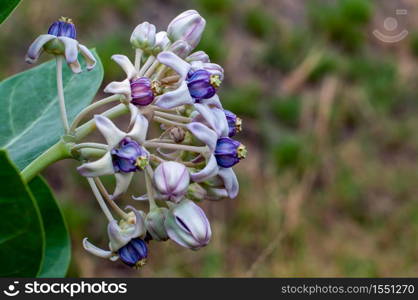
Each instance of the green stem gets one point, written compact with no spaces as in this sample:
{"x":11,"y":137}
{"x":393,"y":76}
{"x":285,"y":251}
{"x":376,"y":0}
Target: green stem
{"x":150,"y":189}
{"x":180,"y":147}
{"x":173,"y":117}
{"x":55,"y":153}
{"x":92,"y":107}
{"x":61,"y":150}
{"x":89,"y":126}
{"x":60,"y":91}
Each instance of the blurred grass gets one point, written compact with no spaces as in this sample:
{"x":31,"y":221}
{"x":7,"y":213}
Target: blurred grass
{"x":330,"y":184}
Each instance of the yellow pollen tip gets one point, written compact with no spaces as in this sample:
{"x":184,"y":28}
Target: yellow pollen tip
{"x":215,"y":81}
{"x":66,"y":20}
{"x":238,"y":124}
{"x":140,"y":263}
{"x":141,"y":162}
{"x":242,"y":151}
{"x":156,"y":87}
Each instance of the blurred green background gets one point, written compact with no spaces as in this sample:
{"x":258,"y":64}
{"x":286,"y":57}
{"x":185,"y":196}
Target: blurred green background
{"x":330,"y":120}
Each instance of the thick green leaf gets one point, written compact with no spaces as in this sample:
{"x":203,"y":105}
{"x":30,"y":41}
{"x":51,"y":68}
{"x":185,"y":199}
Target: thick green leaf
{"x":22,"y":238}
{"x":57,"y":240}
{"x":29,"y":116}
{"x":6,"y":8}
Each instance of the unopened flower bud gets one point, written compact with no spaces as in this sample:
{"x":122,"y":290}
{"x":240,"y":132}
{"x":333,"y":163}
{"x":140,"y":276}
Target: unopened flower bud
{"x":198,"y":56}
{"x":171,"y":180}
{"x":187,"y":26}
{"x":187,"y":225}
{"x":161,"y":42}
{"x":143,"y":36}
{"x":229,"y":152}
{"x":154,"y":222}
{"x":196,"y":192}
{"x":177,"y":134}
{"x":180,"y":48}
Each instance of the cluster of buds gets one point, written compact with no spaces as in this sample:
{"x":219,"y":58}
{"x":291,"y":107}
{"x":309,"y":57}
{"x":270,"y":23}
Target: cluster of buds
{"x":191,"y":158}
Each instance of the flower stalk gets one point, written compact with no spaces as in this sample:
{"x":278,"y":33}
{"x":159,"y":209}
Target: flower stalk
{"x":60,"y":90}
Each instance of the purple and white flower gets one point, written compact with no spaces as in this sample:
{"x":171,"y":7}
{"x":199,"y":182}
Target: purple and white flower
{"x":137,"y":90}
{"x":211,"y":127}
{"x":198,"y":82}
{"x":126,"y":241}
{"x":61,"y":40}
{"x":125,"y":154}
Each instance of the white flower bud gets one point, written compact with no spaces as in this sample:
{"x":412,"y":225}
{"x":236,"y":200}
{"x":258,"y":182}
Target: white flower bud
{"x":161,"y":42}
{"x":180,"y":48}
{"x":187,"y":225}
{"x":143,"y":36}
{"x":187,"y":26}
{"x":198,"y":56}
{"x":171,"y":180}
{"x":154,"y":222}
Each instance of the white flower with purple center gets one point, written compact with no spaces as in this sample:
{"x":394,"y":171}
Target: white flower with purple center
{"x":198,"y":82}
{"x":211,"y":127}
{"x":61,"y":40}
{"x":126,"y":241}
{"x":125,"y":153}
{"x":138,"y":90}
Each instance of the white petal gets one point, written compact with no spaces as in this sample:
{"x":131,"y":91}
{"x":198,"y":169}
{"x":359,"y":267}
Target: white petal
{"x":117,"y":238}
{"x":75,"y":67}
{"x":123,"y":180}
{"x":161,"y":40}
{"x":221,"y":123}
{"x":100,"y":167}
{"x":88,"y":56}
{"x":96,"y":250}
{"x":71,"y":48}
{"x":210,"y":170}
{"x":175,"y":98}
{"x":141,"y":198}
{"x":215,"y":194}
{"x":174,"y":62}
{"x":207,"y":114}
{"x":36,"y":48}
{"x":230,"y":181}
{"x":214,"y":101}
{"x":110,"y":132}
{"x":134,"y":113}
{"x":126,"y":65}
{"x":139,"y":129}
{"x":139,"y":226}
{"x":204,"y":134}
{"x":119,"y":87}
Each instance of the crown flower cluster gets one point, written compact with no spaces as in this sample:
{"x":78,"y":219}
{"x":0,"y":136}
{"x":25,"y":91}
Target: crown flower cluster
{"x":170,"y":87}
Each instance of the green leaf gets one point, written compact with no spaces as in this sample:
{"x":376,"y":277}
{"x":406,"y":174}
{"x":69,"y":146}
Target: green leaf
{"x":29,"y":118}
{"x":22,"y":238}
{"x":6,"y":8}
{"x":58,"y":246}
